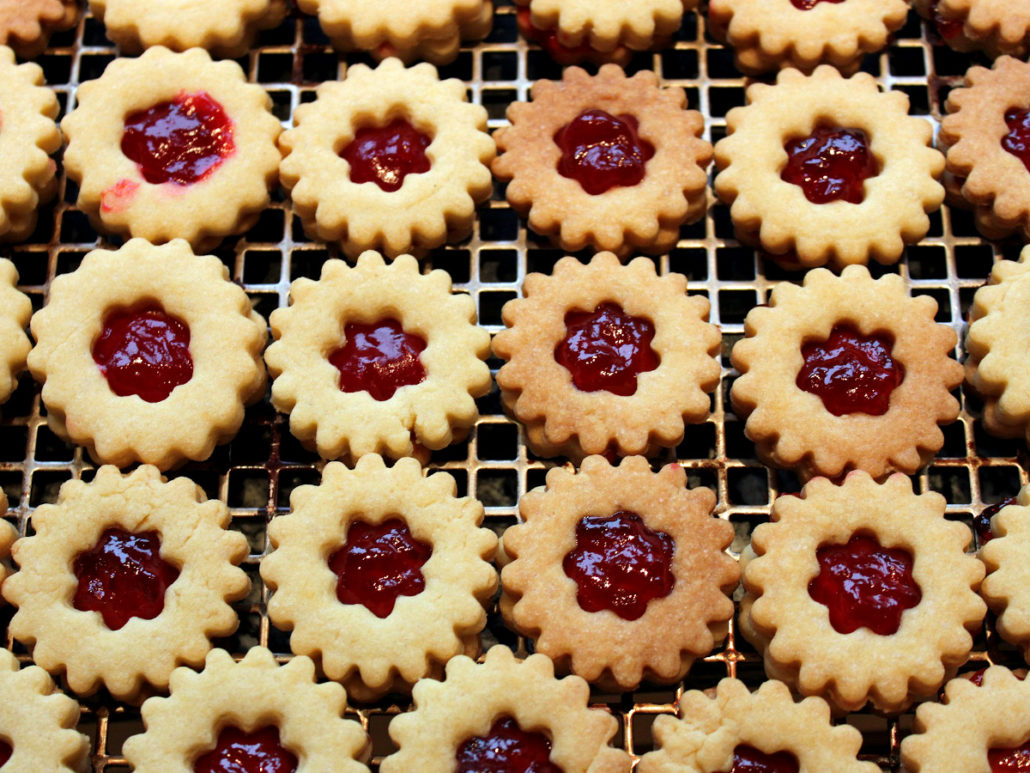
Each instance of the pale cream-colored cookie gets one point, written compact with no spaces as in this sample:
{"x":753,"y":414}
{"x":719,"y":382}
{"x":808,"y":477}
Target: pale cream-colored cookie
{"x":28,"y":135}
{"x":201,"y":197}
{"x":251,"y":695}
{"x":474,"y":696}
{"x":771,"y":34}
{"x":201,"y":345}
{"x":25,"y":25}
{"x":431,"y":413}
{"x":225,"y":27}
{"x":605,"y":27}
{"x":711,"y":728}
{"x":15,"y":311}
{"x":383,"y":204}
{"x":997,"y":27}
{"x":37,"y":723}
{"x":777,"y":216}
{"x":1007,"y":585}
{"x":627,"y":633}
{"x":927,"y":626}
{"x":57,"y":565}
{"x":797,"y":427}
{"x":430,"y":556}
{"x":8,"y":534}
{"x":643,"y":216}
{"x":642,"y":416}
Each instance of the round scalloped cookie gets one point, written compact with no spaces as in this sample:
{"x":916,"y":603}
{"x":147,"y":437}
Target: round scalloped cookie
{"x":194,"y":538}
{"x":225,"y":339}
{"x":776,"y":215}
{"x":475,"y":695}
{"x":252,"y":694}
{"x":1007,"y":585}
{"x":8,"y":535}
{"x":605,"y":27}
{"x":226,"y":198}
{"x":429,"y":208}
{"x":711,"y":727}
{"x":369,"y":653}
{"x":15,"y":311}
{"x":645,"y":216}
{"x":25,"y":25}
{"x":227,"y":28}
{"x":997,"y":27}
{"x":28,"y":137}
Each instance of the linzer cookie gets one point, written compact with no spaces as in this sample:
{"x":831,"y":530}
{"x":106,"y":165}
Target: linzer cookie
{"x":25,"y":25}
{"x":995,"y":26}
{"x":15,"y":310}
{"x":605,"y":161}
{"x":1007,"y":585}
{"x":826,"y":169}
{"x":172,"y":145}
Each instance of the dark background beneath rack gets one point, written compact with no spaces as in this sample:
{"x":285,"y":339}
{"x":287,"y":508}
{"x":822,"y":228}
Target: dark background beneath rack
{"x":255,"y":473}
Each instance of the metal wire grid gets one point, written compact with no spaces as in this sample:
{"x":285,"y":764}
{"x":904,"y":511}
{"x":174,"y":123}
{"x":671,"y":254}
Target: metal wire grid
{"x":256,"y":472}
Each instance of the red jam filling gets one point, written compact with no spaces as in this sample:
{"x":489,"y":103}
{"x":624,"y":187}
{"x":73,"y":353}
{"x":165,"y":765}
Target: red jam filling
{"x":1006,"y":760}
{"x":240,"y":752}
{"x":946,"y":28}
{"x":982,"y":523}
{"x":1017,"y":141}
{"x":851,"y":372}
{"x":548,"y":40}
{"x":865,"y":585}
{"x":830,"y":165}
{"x":620,"y":564}
{"x":6,"y":751}
{"x":379,"y":358}
{"x":808,"y":5}
{"x":747,"y":759}
{"x":601,"y":151}
{"x":123,"y":576}
{"x":144,"y":352}
{"x":606,"y":349}
{"x":377,"y":564}
{"x":385,"y":155}
{"x":506,"y":749}
{"x":182,"y":141}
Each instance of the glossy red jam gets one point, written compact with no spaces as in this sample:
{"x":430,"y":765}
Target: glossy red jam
{"x":548,"y":40}
{"x":865,"y":585}
{"x":6,"y":750}
{"x":982,"y":522}
{"x":606,"y":349}
{"x":620,"y":564}
{"x":240,"y":752}
{"x":182,"y":141}
{"x":385,"y":155}
{"x":506,"y":749}
{"x":379,"y":358}
{"x":1017,"y":141}
{"x":808,"y":5}
{"x":601,"y":151}
{"x":379,"y":563}
{"x":830,"y":165}
{"x":747,"y":759}
{"x":123,"y":576}
{"x":851,"y":372}
{"x":946,"y":28}
{"x":1009,"y":760}
{"x":144,"y":352}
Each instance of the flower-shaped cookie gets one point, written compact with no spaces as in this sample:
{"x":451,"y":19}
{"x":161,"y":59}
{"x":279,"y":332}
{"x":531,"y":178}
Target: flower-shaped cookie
{"x":770,"y":34}
{"x":828,"y":169}
{"x":995,"y":26}
{"x":569,"y":588}
{"x":37,"y":722}
{"x":1007,"y":585}
{"x":612,"y":162}
{"x":377,"y":359}
{"x":506,"y":700}
{"x":735,"y":726}
{"x":15,"y":310}
{"x":25,"y":25}
{"x":272,"y":713}
{"x":148,"y":354}
{"x":606,"y":356}
{"x":28,"y":135}
{"x":172,"y":145}
{"x":861,"y":592}
{"x":8,"y":534}
{"x":998,"y":342}
{"x":846,"y":373}
{"x":391,"y":159}
{"x":382,"y":574}
{"x":226,"y":27}
{"x":124,"y":579}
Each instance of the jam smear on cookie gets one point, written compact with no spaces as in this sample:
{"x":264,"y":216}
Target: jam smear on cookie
{"x":606,"y":349}
{"x":601,"y":151}
{"x":240,"y":752}
{"x":831,"y":164}
{"x":506,"y":748}
{"x":385,"y":155}
{"x":982,"y":522}
{"x":379,"y":358}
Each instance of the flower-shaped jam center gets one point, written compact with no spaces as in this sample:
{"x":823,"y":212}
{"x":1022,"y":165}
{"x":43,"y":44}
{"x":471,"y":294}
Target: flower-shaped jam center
{"x":808,"y":5}
{"x":946,"y":28}
{"x":548,"y":40}
{"x":240,"y":752}
{"x":1017,"y":141}
{"x":601,"y":151}
{"x":831,"y":164}
{"x":620,"y":564}
{"x":747,"y":759}
{"x":851,"y":372}
{"x":606,"y":349}
{"x":182,"y":141}
{"x":379,"y":358}
{"x":385,"y":155}
{"x":865,"y":585}
{"x":982,"y":522}
{"x":506,"y":749}
{"x":145,"y":352}
{"x":378,"y":563}
{"x":1009,"y":760}
{"x":123,"y":576}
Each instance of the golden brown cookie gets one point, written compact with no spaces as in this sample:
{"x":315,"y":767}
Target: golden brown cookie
{"x":1007,"y":585}
{"x":15,"y":310}
{"x":25,"y":25}
{"x":996,"y":27}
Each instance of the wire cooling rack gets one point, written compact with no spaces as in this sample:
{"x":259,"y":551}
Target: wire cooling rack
{"x":256,"y":472}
